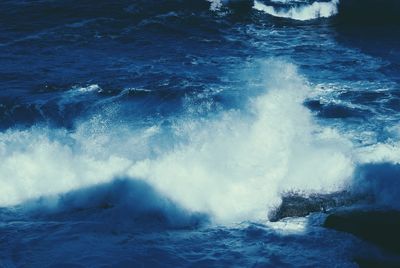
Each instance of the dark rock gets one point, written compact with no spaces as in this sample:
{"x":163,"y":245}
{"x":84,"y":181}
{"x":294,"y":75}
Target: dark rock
{"x":370,"y":263}
{"x":379,"y":227}
{"x":297,"y":205}
{"x":241,"y":5}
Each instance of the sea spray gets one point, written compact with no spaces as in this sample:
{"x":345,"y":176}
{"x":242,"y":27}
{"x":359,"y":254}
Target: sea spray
{"x":235,"y":166}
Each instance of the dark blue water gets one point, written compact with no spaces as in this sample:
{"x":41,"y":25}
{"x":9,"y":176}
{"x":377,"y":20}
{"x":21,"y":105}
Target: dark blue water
{"x":162,"y":133}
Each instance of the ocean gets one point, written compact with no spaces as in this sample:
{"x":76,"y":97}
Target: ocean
{"x":164,"y":133}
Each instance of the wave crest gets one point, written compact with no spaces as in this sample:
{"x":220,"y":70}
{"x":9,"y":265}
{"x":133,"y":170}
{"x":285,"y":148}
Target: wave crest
{"x":301,"y":12}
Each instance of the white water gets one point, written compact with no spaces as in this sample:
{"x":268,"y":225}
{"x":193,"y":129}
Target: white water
{"x":215,"y":4}
{"x":307,"y":12}
{"x":233,"y":167}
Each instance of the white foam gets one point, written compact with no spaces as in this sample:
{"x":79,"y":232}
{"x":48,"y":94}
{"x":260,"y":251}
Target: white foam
{"x":307,"y":12}
{"x":215,"y":4}
{"x":79,"y":92}
{"x":379,"y":153}
{"x":36,"y":163}
{"x":90,"y":88}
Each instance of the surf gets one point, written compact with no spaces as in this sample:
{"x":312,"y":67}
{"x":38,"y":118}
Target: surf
{"x":298,"y":11}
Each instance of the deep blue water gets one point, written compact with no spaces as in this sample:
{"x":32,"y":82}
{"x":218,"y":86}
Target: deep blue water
{"x":162,"y":133}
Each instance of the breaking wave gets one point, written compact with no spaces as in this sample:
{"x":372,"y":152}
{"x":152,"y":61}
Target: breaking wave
{"x":302,"y":11}
{"x":233,"y":166}
{"x":354,"y":12}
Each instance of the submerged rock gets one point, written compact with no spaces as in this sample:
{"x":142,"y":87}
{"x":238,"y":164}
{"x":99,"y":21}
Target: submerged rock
{"x":379,"y":227}
{"x":297,"y":205}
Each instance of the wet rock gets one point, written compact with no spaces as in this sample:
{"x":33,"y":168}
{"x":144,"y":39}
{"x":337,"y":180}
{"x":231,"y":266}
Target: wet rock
{"x":298,"y":205}
{"x":370,"y":263}
{"x":241,"y":5}
{"x":381,"y":228}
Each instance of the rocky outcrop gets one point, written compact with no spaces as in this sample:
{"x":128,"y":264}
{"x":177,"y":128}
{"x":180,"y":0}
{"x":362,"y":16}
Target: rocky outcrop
{"x":376,"y":226}
{"x":370,"y":263}
{"x":298,"y":205}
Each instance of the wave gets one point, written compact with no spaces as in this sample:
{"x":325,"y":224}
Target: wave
{"x":232,"y":166}
{"x":356,"y":12}
{"x":120,"y":202}
{"x":302,"y":11}
{"x":370,"y":12}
